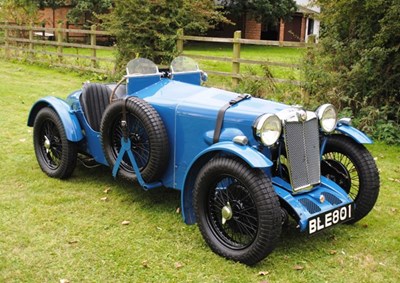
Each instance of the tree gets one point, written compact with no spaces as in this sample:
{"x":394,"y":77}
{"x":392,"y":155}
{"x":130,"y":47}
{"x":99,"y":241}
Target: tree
{"x":18,"y":11}
{"x":267,"y":11}
{"x":87,"y":10}
{"x":357,"y":62}
{"x":148,"y":28}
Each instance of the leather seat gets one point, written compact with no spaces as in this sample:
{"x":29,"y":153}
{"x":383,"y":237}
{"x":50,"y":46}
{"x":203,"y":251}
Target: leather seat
{"x":94,"y":100}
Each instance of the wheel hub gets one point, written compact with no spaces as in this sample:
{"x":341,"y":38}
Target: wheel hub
{"x":47,"y":144}
{"x":227,"y":213}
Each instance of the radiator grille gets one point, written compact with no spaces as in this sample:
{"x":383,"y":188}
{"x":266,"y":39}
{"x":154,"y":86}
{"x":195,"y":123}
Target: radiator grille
{"x":302,"y":148}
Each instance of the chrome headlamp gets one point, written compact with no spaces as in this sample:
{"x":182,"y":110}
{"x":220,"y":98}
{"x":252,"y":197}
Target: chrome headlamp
{"x":267,"y":129}
{"x":327,"y":116}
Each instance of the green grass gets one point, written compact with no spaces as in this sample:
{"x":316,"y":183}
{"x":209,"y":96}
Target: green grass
{"x":52,"y":229}
{"x":51,"y":59}
{"x":289,"y":55}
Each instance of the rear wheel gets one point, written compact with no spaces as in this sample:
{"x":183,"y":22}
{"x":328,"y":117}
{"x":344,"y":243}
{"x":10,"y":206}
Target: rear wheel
{"x":351,"y":166}
{"x":55,"y":154}
{"x":237,"y":210}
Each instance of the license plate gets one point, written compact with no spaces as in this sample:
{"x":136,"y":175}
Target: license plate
{"x":330,"y":218}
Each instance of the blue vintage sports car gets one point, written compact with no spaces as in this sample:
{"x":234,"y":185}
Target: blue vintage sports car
{"x":243,"y":164}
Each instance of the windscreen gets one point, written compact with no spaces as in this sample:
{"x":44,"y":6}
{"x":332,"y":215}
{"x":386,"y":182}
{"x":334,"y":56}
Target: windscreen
{"x":141,"y":66}
{"x":184,"y":64}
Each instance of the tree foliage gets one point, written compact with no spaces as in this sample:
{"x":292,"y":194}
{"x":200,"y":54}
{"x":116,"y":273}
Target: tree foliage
{"x":357,"y":62}
{"x":148,"y":28}
{"x":87,"y":11}
{"x":268,"y":11}
{"x":18,"y":11}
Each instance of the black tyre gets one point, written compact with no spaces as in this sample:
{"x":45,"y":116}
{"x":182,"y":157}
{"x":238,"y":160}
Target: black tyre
{"x":149,"y":140}
{"x":237,"y":210}
{"x":351,"y":166}
{"x":55,"y":154}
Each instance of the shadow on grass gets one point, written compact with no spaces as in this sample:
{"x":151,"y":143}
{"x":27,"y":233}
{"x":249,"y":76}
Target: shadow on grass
{"x":164,"y":199}
{"x":292,"y":242}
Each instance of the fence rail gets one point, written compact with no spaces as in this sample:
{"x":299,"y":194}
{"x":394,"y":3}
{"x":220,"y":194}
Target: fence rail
{"x":236,"y":59}
{"x":24,"y":40}
{"x":32,"y":42}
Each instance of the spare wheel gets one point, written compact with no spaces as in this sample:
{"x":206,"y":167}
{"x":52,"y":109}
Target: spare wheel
{"x":146,"y":130}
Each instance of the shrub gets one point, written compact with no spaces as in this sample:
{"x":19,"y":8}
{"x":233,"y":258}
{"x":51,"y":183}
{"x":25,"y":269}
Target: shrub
{"x":148,"y":28}
{"x":356,"y":64}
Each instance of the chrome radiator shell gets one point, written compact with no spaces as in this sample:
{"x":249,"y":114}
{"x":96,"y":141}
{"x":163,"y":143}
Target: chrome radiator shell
{"x":302,"y":147}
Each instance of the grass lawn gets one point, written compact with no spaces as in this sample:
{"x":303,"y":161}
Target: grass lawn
{"x":289,"y":55}
{"x":52,"y":229}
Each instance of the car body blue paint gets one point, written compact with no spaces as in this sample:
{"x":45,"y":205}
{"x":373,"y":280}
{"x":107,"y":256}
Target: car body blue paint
{"x":68,"y":118}
{"x":189,"y":112}
{"x":354,"y":133}
{"x":248,"y":154}
{"x":283,"y":190}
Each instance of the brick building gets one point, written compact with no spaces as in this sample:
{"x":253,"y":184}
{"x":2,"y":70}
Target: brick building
{"x":299,"y":29}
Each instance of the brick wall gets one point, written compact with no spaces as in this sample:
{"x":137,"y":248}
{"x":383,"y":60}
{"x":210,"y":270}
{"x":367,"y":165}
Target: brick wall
{"x":253,"y":28}
{"x":51,"y":18}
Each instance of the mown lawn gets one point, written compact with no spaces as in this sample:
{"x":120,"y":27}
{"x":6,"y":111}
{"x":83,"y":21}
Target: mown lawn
{"x":287,"y":55}
{"x":52,"y":230}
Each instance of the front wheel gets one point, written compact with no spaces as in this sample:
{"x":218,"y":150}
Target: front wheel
{"x":351,"y":166}
{"x":237,"y":210}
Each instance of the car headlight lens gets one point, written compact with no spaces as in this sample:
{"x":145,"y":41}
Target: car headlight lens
{"x":267,"y":129}
{"x":327,"y":117}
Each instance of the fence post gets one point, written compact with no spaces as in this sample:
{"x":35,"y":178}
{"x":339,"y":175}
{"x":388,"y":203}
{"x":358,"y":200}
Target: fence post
{"x":235,"y":58}
{"x":6,"y":42}
{"x":59,"y":42}
{"x":31,"y":40}
{"x":179,"y":41}
{"x":93,"y":45}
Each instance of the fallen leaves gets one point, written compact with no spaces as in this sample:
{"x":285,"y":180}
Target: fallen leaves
{"x":178,"y":265}
{"x":125,"y":222}
{"x":104,"y":199}
{"x":298,"y":267}
{"x":394,"y":180}
{"x":64,"y":281}
{"x":145,"y":263}
{"x":263,"y":273}
{"x":106,"y":191}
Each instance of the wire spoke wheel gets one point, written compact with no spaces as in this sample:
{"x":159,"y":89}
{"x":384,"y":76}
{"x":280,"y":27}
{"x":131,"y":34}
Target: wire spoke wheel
{"x":140,"y":144}
{"x":51,"y":148}
{"x":351,"y":166}
{"x":340,"y":169}
{"x":233,"y":213}
{"x":237,"y":210}
{"x":147,"y":133}
{"x":55,"y":154}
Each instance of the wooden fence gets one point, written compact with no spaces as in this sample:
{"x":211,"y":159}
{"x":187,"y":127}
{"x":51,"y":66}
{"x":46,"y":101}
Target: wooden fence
{"x":236,"y":59}
{"x":30,"y":41}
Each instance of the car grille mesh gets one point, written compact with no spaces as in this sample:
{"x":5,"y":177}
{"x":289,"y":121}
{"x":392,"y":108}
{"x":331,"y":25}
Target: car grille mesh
{"x":302,"y":147}
{"x":310,"y":206}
